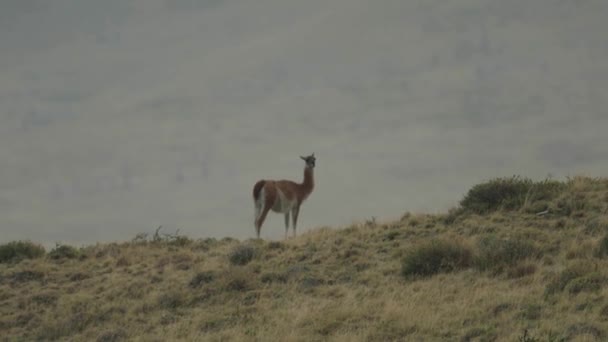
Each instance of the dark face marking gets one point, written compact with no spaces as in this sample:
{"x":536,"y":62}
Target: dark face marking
{"x":310,"y":160}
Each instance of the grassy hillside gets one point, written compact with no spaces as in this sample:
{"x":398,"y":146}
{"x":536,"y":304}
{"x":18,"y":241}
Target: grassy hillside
{"x":516,"y":261}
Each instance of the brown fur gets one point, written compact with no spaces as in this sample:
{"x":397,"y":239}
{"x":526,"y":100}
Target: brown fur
{"x":257,"y":188}
{"x":294,"y":193}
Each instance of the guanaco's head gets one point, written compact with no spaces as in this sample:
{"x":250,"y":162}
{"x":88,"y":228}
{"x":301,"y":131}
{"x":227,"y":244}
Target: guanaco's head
{"x":310,"y":160}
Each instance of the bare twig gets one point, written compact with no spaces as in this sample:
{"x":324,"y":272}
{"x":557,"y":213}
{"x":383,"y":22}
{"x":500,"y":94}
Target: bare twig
{"x":542,"y":213}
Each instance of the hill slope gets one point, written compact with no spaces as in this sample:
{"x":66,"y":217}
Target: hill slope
{"x":456,"y":276}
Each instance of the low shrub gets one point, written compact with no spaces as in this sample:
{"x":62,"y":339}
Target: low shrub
{"x":576,"y":278}
{"x":202,"y":278}
{"x":526,"y":337}
{"x":510,"y":193}
{"x":587,"y":283}
{"x":242,"y":254}
{"x":64,"y":252}
{"x":496,"y":254}
{"x":452,"y":215}
{"x":521,"y":270}
{"x":276,"y":245}
{"x":273,"y":277}
{"x":498,"y":193}
{"x":113,"y":336}
{"x":602,"y":248}
{"x":171,"y":300}
{"x":530,"y":312}
{"x":162,"y":239}
{"x":436,"y":256}
{"x":238,"y":279}
{"x":19,"y":250}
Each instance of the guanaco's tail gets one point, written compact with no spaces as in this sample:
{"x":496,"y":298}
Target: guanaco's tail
{"x":258,"y":203}
{"x":257,"y":188}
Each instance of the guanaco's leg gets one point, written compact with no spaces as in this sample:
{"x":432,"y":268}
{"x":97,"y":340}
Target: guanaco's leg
{"x":286,"y":224}
{"x":294,"y":214}
{"x":260,"y":220}
{"x":257,"y":212}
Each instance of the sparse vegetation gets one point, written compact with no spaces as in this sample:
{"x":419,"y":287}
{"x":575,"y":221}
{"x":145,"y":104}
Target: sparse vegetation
{"x":435,"y":256}
{"x":504,"y":274}
{"x":202,"y":278}
{"x":19,"y":250}
{"x":242,"y":254}
{"x":602,"y":248}
{"x":512,"y":193}
{"x":159,"y":238}
{"x":496,"y":255}
{"x":576,"y":278}
{"x":64,"y":252}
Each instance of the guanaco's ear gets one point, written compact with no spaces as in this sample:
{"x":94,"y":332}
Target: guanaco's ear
{"x":302,"y":158}
{"x":313,"y":154}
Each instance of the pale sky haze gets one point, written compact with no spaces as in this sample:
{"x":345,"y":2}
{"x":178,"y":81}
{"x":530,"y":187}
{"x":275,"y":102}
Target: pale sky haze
{"x":118,"y":116}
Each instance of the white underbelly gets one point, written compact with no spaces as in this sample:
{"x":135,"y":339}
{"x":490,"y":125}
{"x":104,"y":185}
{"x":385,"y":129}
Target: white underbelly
{"x":282,"y":204}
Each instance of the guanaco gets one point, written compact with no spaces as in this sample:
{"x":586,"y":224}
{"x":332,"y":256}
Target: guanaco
{"x":283,"y":196}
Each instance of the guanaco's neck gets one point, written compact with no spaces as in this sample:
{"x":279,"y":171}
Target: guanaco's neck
{"x":309,"y":182}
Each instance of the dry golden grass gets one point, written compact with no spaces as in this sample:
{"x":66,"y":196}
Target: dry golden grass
{"x":328,"y":284}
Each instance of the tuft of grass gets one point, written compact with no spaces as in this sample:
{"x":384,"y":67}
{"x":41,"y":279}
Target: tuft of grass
{"x":588,"y":283}
{"x":238,"y":279}
{"x":45,"y":298}
{"x":162,"y":239}
{"x":116,"y":335}
{"x":64,"y":252}
{"x":526,"y":337}
{"x":584,"y":329}
{"x":452,"y":216}
{"x":26,"y":276}
{"x":483,"y":333}
{"x":604,"y":312}
{"x":276,"y":245}
{"x":602,"y":248}
{"x":273,"y":277}
{"x":171,"y":300}
{"x":495,"y":254}
{"x":242,"y":254}
{"x":521,"y":270}
{"x":202,"y":278}
{"x":577,"y":278}
{"x":436,"y":256}
{"x":15,"y":251}
{"x":530,"y":312}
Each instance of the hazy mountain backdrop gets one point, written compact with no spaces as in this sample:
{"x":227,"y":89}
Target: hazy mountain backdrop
{"x":118,"y":116}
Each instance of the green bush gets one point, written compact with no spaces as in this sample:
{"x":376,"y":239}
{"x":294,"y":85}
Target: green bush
{"x":499,"y":193}
{"x":511,"y":193}
{"x":436,"y":256}
{"x":64,"y":252}
{"x":496,"y":254}
{"x":19,"y":250}
{"x":242,"y":254}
